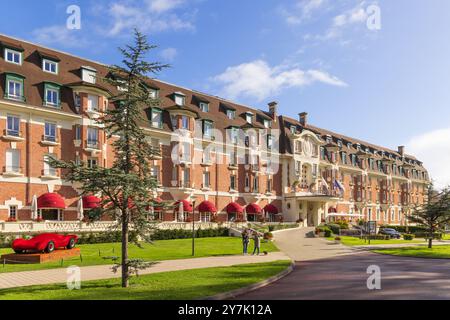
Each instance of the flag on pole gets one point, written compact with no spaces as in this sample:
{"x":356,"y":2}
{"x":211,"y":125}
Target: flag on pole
{"x":324,"y":184}
{"x":339,"y":186}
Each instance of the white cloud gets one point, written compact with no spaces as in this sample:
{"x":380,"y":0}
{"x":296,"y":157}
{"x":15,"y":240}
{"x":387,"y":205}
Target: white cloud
{"x":258,"y":80}
{"x":160,"y":6}
{"x":433,"y":148}
{"x":302,"y":11}
{"x":59,"y":35}
{"x":356,"y":15}
{"x":153,"y":16}
{"x":169,"y":54}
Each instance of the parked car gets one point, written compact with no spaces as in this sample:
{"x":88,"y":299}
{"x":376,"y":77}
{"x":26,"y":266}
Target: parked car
{"x":392,"y":233}
{"x":47,"y":242}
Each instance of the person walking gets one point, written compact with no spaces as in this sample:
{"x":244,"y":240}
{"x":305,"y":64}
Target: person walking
{"x":245,"y":241}
{"x":257,"y":242}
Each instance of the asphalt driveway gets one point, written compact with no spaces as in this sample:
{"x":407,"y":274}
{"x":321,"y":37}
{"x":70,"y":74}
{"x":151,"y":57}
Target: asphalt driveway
{"x":324,"y":272}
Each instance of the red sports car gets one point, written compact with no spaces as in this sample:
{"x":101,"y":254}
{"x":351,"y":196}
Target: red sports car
{"x":47,"y":242}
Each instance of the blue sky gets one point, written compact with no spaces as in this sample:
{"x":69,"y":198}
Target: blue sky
{"x":389,"y":86}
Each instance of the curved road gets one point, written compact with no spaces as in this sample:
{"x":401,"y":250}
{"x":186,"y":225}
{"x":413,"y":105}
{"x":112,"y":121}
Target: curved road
{"x":327,"y":271}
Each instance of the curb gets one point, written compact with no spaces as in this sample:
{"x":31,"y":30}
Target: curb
{"x":253,"y":287}
{"x":290,"y":229}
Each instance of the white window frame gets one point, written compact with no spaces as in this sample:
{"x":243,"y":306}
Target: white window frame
{"x":15,"y":121}
{"x":231,"y":114}
{"x":180,"y":100}
{"x":16,"y":209}
{"x":55,"y":94}
{"x":204,"y":107}
{"x":49,"y":62}
{"x":94,"y":107}
{"x":15,"y":96}
{"x":13,"y":52}
{"x":49,"y":170}
{"x":156,"y":118}
{"x":12,"y":162}
{"x":92,"y":162}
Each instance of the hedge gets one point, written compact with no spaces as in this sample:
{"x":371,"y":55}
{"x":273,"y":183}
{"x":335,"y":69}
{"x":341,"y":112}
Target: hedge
{"x":185,"y":234}
{"x":408,"y":237}
{"x":402,"y":229}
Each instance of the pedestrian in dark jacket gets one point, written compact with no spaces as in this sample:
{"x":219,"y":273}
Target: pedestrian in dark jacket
{"x":245,"y":241}
{"x":257,"y":242}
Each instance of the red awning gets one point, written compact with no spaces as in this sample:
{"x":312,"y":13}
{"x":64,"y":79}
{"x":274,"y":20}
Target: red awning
{"x":51,"y":201}
{"x":270,"y":208}
{"x":157,"y":204}
{"x":91,"y":202}
{"x":187,"y":206}
{"x":253,"y":209}
{"x":234,"y":208}
{"x":207,"y":206}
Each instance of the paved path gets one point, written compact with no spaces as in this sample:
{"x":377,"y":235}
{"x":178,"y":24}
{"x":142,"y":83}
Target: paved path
{"x":52,"y":276}
{"x":301,"y":245}
{"x":336,"y":272}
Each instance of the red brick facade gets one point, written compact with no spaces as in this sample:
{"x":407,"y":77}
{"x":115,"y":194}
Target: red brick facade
{"x":307,"y":162}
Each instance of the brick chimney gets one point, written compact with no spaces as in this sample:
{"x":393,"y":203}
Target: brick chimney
{"x":303,"y":118}
{"x":273,"y":109}
{"x":401,"y":150}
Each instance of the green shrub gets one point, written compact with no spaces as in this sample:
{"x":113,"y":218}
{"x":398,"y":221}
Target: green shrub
{"x":328,"y":233}
{"x":426,"y":235}
{"x":408,"y":236}
{"x":335,"y":228}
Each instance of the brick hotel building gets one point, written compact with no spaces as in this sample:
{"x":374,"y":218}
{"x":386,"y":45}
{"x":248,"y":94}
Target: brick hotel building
{"x":270,"y":165}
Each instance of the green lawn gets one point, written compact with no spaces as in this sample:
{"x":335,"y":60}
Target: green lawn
{"x":188,"y":284}
{"x":352,"y":241}
{"x":95,"y":254}
{"x":437,"y":252}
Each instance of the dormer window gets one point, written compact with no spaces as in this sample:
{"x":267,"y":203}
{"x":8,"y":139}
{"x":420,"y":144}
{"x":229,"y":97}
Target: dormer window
{"x":339,"y":143}
{"x":153,"y":93}
{"x":204,"y":106}
{"x":179,"y":99}
{"x":14,"y":87}
{"x":156,"y":118}
{"x":88,"y":74}
{"x":249,"y":117}
{"x":231,"y":114}
{"x":349,"y":145}
{"x":13,"y":56}
{"x":293,"y":130}
{"x":267,"y":124}
{"x":50,"y":66}
{"x":52,"y":95}
{"x":329,"y":139}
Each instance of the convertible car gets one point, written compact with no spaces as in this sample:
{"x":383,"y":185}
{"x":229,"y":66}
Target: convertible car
{"x":47,"y":242}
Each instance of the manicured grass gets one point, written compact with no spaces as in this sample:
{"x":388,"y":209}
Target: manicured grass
{"x":188,"y":284}
{"x":352,"y":241}
{"x":437,"y":252}
{"x":95,"y":254}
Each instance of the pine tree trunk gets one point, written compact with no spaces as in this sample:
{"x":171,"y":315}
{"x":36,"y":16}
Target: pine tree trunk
{"x":125,"y":274}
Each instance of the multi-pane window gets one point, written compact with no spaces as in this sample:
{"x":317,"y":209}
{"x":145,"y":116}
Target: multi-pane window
{"x":269,"y":185}
{"x":13,"y":212}
{"x":78,"y":132}
{"x":344,"y":158}
{"x":206,"y":179}
{"x":179,"y":100}
{"x":153,"y":93}
{"x":231,"y":114}
{"x":204,"y":107}
{"x":13,"y":56}
{"x":13,"y":126}
{"x":92,"y":163}
{"x":92,"y":103}
{"x":155,"y":172}
{"x":269,"y":141}
{"x":268,"y":124}
{"x":50,"y":66}
{"x":207,"y":128}
{"x":49,"y":170}
{"x":12,"y":160}
{"x":255,"y":184}
{"x":249,"y":118}
{"x":293,"y":130}
{"x":51,"y":95}
{"x":233,"y":182}
{"x":156,"y":118}
{"x":185,"y":122}
{"x":50,"y":132}
{"x":234,"y":135}
{"x":14,"y":87}
{"x":92,"y":137}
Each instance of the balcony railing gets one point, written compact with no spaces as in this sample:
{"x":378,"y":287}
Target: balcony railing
{"x":50,"y":139}
{"x":12,"y":134}
{"x":186,"y":184}
{"x":92,"y":144}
